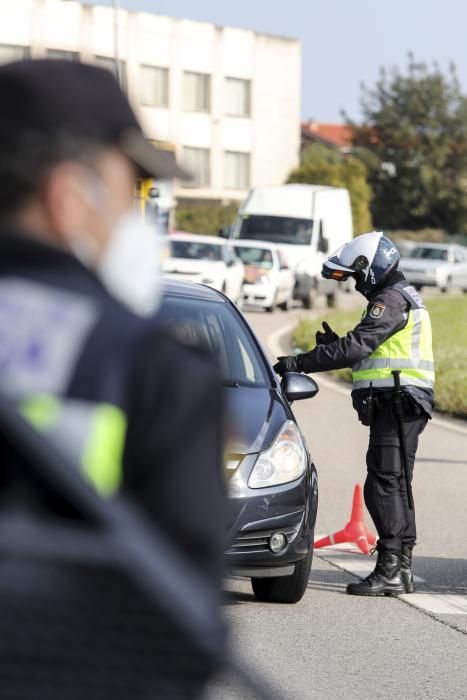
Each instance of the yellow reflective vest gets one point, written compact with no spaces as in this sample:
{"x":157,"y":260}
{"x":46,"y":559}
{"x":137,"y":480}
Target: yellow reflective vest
{"x":409,"y":350}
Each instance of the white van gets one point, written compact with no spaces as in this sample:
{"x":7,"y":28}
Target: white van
{"x":307,"y":221}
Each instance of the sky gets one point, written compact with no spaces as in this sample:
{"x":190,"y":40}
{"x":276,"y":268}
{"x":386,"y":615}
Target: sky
{"x":344,"y":43}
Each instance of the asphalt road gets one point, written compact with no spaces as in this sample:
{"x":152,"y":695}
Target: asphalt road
{"x":331,"y":645}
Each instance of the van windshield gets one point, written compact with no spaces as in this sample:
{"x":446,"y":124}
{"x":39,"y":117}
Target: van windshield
{"x":276,"y":229}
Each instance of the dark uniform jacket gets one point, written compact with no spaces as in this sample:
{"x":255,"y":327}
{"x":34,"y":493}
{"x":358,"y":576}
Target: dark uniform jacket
{"x":368,"y":335}
{"x":91,"y":348}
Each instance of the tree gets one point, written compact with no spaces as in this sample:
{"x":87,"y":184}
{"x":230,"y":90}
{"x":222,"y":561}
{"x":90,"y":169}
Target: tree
{"x":413,"y":140}
{"x":321,"y":165}
{"x":207,"y":219}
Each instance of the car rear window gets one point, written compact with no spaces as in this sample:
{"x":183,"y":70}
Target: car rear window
{"x":216,"y":327}
{"x":192,"y":250}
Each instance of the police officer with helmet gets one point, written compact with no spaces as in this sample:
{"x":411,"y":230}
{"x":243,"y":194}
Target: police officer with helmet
{"x":390,"y":354}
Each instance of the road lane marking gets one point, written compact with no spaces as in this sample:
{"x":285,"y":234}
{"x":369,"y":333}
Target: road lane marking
{"x":437,"y":604}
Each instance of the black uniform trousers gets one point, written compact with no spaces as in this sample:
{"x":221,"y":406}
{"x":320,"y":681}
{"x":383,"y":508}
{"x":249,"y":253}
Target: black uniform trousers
{"x":385,"y":488}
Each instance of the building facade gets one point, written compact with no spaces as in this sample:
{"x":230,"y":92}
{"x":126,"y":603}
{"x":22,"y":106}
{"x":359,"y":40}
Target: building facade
{"x":226,"y":99}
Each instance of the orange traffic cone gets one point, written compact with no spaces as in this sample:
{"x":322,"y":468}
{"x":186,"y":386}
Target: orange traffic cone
{"x":355,"y":531}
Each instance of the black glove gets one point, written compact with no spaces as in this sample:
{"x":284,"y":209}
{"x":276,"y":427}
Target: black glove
{"x":327,"y":337}
{"x":288,"y":363}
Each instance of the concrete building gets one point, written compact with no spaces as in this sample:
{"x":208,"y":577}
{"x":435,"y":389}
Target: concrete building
{"x":227,"y":99}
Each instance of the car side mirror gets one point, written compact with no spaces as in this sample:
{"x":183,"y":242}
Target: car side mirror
{"x":298,"y":386}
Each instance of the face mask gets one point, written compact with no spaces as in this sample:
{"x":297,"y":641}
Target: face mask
{"x":130,"y":266}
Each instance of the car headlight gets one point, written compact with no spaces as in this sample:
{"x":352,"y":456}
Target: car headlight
{"x":281,"y":463}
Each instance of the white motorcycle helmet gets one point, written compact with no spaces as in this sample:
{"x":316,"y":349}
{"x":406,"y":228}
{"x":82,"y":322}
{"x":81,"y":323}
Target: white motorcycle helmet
{"x":368,"y":258}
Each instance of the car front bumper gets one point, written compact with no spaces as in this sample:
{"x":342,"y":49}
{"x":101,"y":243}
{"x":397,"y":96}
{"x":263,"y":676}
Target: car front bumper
{"x":258,"y":294}
{"x":256,"y":514}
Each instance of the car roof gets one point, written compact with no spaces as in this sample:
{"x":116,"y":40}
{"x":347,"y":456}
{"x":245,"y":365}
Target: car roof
{"x":251,"y":243}
{"x":192,"y":290}
{"x":183,"y":236}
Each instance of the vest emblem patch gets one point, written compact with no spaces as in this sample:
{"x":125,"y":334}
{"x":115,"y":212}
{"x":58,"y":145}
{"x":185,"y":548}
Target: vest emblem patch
{"x":377,"y":310}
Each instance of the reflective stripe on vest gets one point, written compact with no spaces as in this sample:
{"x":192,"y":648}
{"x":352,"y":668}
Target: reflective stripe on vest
{"x":409,"y":350}
{"x":91,"y":434}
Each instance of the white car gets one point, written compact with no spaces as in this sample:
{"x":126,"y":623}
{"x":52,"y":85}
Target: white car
{"x":442,"y":265}
{"x":269,"y":281}
{"x":205,"y":259}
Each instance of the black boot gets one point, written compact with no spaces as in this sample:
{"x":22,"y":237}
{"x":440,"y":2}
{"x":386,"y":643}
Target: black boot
{"x":406,"y":568}
{"x":384,"y":580}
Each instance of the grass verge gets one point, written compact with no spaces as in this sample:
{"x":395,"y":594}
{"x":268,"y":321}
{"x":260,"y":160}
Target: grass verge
{"x":449,"y":321}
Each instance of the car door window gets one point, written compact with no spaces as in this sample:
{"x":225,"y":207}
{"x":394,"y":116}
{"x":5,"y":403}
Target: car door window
{"x":217,"y":328}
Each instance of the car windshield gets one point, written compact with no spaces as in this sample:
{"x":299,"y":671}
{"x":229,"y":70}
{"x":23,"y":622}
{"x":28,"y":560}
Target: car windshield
{"x":276,"y":229}
{"x":427,"y":253}
{"x":217,"y":327}
{"x":257,"y":257}
{"x":194,"y":250}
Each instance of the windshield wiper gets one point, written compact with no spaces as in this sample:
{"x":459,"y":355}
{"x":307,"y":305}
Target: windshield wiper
{"x":230,"y":382}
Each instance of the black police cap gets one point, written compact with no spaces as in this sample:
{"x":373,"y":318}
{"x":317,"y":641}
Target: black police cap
{"x":48,"y":97}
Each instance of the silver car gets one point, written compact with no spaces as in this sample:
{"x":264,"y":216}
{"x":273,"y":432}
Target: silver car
{"x":441,"y":265}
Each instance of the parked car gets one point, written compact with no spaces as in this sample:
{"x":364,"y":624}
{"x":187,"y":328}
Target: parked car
{"x":436,"y":265}
{"x":272,"y":481}
{"x":206,"y":259}
{"x":268,"y":280}
{"x":307,"y":221}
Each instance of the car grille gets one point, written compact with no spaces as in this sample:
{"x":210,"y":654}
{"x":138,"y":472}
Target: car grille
{"x":258,"y":540}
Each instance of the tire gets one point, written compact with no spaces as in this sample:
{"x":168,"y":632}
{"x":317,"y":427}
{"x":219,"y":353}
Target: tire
{"x":446,"y":288}
{"x":418,"y":287}
{"x":284,"y":589}
{"x":272,"y":308}
{"x":309,"y":300}
{"x":284,"y":305}
{"x":331,"y":300}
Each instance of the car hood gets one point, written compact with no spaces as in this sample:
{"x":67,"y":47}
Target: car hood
{"x":254,"y":417}
{"x":421,"y":264}
{"x":184,"y":266}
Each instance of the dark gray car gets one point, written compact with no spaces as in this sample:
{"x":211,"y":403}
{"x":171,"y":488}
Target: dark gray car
{"x":272,"y":481}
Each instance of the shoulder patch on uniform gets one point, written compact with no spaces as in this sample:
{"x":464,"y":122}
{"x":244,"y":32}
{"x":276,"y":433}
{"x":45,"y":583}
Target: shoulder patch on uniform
{"x":377,"y":310}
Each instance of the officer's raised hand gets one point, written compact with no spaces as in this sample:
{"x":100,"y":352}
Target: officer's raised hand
{"x":327,"y":337}
{"x":288,"y":363}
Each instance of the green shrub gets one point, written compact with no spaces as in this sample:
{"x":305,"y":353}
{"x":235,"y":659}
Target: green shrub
{"x":206,"y":219}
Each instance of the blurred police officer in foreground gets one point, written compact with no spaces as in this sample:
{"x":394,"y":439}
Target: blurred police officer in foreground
{"x":394,"y":334}
{"x":78,"y":273}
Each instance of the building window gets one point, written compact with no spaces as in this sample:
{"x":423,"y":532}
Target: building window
{"x":237,"y":97}
{"x":236,"y":170}
{"x":196,"y":92}
{"x":110,"y":64}
{"x":154,"y":86}
{"x":63,"y":55}
{"x":9,"y":53}
{"x":196,"y":161}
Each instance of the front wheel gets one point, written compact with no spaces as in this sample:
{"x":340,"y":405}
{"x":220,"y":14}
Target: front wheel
{"x":284,"y":589}
{"x":309,"y":300}
{"x":284,"y":305}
